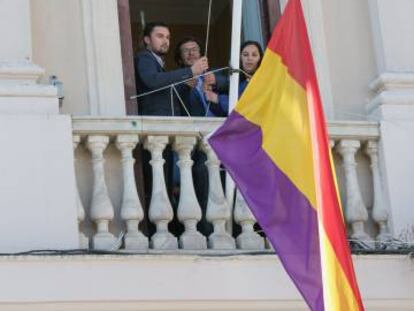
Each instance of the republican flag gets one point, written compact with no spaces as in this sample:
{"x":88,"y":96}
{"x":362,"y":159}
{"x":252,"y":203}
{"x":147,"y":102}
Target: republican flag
{"x":275,"y":146}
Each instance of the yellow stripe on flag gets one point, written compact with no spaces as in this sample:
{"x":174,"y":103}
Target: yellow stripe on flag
{"x":281,"y":112}
{"x":338,"y":294}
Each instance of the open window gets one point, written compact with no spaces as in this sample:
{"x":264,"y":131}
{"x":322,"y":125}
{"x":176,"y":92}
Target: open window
{"x":190,"y":17}
{"x":186,"y":18}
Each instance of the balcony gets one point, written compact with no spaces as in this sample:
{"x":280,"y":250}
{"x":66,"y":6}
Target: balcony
{"x":110,"y":210}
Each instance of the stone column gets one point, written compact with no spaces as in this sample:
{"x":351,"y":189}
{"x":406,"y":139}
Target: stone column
{"x":393,"y":105}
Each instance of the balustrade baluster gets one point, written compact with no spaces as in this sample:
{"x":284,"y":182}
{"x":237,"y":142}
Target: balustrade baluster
{"x":160,"y":211}
{"x":131,"y":210}
{"x":248,"y":238}
{"x":189,"y":211}
{"x":355,"y":212}
{"x":101,"y":211}
{"x":218,"y":209}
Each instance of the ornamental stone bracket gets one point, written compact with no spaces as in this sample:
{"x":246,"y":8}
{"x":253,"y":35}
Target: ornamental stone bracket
{"x":20,"y":92}
{"x":20,"y":79}
{"x":394,"y":89}
{"x":20,"y":72}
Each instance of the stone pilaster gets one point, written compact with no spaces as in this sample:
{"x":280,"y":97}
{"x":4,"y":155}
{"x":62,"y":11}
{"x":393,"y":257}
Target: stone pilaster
{"x":393,"y":105}
{"x":37,"y":183}
{"x":19,"y":91}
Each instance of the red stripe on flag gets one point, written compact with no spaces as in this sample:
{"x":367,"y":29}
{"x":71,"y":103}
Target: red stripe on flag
{"x":290,"y":40}
{"x":331,"y":212}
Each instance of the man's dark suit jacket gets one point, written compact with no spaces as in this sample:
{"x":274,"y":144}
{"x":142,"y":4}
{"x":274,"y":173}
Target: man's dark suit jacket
{"x":193,"y":103}
{"x":151,"y":76}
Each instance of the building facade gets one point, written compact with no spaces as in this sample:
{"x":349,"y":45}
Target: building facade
{"x":71,"y":170}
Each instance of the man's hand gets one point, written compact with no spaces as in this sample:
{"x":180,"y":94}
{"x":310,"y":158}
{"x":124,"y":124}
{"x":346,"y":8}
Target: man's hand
{"x":200,"y":65}
{"x":191,"y":83}
{"x":211,"y":96}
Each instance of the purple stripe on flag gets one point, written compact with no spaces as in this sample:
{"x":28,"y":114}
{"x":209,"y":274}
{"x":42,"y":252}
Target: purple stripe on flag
{"x":283,"y":212}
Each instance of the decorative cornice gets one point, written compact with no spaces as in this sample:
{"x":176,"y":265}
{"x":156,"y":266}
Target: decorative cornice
{"x":27,"y":90}
{"x":390,"y":81}
{"x":392,"y":88}
{"x":24,"y":71}
{"x":397,"y":98}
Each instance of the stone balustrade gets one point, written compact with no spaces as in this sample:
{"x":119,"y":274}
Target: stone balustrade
{"x":112,"y":214}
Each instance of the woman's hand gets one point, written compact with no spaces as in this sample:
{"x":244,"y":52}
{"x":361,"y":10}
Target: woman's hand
{"x":211,"y":96}
{"x":210,"y":79}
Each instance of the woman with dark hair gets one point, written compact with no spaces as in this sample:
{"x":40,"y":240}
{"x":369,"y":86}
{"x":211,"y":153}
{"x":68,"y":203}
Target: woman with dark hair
{"x":251,"y":55}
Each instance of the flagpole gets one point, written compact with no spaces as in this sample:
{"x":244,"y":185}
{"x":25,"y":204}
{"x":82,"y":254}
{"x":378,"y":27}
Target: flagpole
{"x":234,"y":78}
{"x":235,"y":52}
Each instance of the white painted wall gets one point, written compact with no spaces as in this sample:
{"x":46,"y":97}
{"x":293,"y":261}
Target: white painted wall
{"x":37,"y":200}
{"x":79,"y":42}
{"x":58,"y":47}
{"x":393,"y":30}
{"x":351,"y":56}
{"x":393,"y":104}
{"x":398,"y":170}
{"x":102,"y":45}
{"x":185,"y":282}
{"x":15,"y":30}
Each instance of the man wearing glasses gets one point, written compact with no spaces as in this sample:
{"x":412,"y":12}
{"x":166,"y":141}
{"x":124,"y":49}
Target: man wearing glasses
{"x":187,"y":53}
